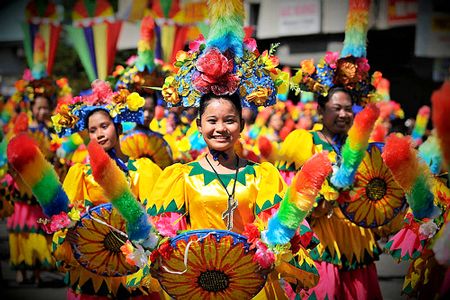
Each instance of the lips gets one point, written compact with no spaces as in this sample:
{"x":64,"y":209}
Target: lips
{"x":102,"y":142}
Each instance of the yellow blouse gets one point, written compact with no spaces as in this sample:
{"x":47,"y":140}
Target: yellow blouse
{"x":192,"y":190}
{"x":196,"y":192}
{"x":82,"y":189}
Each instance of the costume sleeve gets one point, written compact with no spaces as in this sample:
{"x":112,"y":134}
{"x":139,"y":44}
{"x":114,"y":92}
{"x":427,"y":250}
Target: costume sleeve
{"x":271,"y":187}
{"x":168,"y":194}
{"x":74,"y":184}
{"x":296,"y":149}
{"x":144,"y":178}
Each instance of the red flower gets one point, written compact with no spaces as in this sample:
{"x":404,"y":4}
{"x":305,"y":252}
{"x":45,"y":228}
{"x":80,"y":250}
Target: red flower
{"x":165,"y":250}
{"x":263,"y":256}
{"x":154,"y":255}
{"x":252,"y":233}
{"x":214,"y":64}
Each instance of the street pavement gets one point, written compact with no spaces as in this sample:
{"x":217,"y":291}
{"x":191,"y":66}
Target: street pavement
{"x":389,"y":272}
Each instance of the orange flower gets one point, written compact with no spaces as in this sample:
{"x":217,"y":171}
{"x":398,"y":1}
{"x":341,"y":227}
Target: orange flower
{"x":121,"y":96}
{"x":307,"y":66}
{"x":346,"y":72}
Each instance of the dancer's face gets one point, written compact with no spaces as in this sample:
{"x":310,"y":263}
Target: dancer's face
{"x":101,"y":128}
{"x":220,"y":124}
{"x":338,"y":114}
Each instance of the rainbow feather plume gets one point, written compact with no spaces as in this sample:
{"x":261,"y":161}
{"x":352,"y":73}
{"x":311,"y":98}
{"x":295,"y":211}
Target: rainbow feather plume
{"x":39,"y":69}
{"x":441,"y":110}
{"x":26,"y":158}
{"x":356,"y":28}
{"x":227,"y":25}
{"x":411,"y":174}
{"x":355,"y":146}
{"x":421,"y":124}
{"x":146,"y":56}
{"x":115,"y":185}
{"x":298,"y":200}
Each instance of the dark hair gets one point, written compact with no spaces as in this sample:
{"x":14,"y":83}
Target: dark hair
{"x":322,"y":100}
{"x":233,"y":98}
{"x":117,"y":126}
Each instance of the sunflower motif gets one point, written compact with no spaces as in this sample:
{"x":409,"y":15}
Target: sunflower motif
{"x":98,"y":247}
{"x":219,"y":267}
{"x":375,"y":198}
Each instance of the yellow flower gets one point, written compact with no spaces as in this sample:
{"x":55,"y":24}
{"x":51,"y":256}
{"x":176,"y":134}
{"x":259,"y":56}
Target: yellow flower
{"x":298,"y":77}
{"x":281,"y":81}
{"x":74,"y":214}
{"x":170,"y":95}
{"x":55,"y":121}
{"x":135,"y":101}
{"x":260,"y":96}
{"x":168,"y":81}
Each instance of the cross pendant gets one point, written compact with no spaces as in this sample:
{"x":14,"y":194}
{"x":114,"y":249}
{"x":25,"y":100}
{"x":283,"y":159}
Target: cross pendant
{"x":228,"y":214}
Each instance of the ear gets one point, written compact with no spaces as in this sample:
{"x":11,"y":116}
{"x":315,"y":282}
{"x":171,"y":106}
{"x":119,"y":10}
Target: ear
{"x":119,"y":129}
{"x":199,"y":125}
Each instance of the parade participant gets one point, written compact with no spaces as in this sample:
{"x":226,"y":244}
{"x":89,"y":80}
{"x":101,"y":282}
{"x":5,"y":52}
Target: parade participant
{"x":220,"y":190}
{"x":101,"y":114}
{"x":350,"y":205}
{"x":142,"y":73}
{"x":35,"y":96}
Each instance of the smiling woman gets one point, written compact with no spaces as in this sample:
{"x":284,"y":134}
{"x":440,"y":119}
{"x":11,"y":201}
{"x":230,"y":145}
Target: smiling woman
{"x":91,"y":244}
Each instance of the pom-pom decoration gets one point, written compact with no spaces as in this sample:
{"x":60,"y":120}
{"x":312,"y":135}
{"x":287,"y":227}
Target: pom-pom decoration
{"x":420,"y":126}
{"x":441,"y":110}
{"x":298,"y":200}
{"x":356,"y":28}
{"x":105,"y":172}
{"x":411,"y":174}
{"x":26,"y":158}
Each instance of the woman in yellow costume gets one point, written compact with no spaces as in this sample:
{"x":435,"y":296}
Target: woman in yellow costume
{"x":361,"y":194}
{"x":221,"y":191}
{"x":88,"y":251}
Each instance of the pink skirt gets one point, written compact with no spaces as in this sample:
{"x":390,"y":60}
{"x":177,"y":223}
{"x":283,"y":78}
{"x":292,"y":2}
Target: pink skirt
{"x":25,"y":218}
{"x":356,"y":284}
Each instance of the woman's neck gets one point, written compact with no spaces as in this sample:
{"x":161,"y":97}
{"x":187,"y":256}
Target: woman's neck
{"x":119,"y":154}
{"x":228,"y":160}
{"x":330,"y":136}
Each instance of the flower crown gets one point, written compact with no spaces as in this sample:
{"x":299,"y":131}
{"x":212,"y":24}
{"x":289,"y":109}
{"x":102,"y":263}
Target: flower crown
{"x":205,"y":70}
{"x":122,"y":106}
{"x":350,"y":72}
{"x":29,"y":88}
{"x":140,"y":81}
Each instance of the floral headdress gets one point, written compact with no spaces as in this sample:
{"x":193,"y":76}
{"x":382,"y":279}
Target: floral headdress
{"x":350,"y":70}
{"x":122,"y":106}
{"x":225,"y":63}
{"x":143,"y":70}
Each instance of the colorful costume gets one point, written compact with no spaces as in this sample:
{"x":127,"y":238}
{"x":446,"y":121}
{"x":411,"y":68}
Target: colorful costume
{"x":83,"y":191}
{"x":190,"y":190}
{"x":345,"y":248}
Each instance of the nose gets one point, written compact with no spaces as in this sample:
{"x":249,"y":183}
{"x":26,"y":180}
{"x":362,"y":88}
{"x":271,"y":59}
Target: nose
{"x":220,"y":127}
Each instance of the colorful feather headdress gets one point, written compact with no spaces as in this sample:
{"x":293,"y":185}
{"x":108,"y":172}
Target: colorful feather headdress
{"x":350,"y":70}
{"x":225,"y":63}
{"x":122,"y":106}
{"x":143,"y":71}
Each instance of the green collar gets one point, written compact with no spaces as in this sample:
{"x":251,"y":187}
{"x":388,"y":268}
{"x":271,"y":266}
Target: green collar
{"x":209,"y":176}
{"x":318,"y":141}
